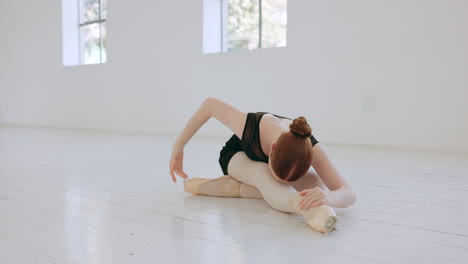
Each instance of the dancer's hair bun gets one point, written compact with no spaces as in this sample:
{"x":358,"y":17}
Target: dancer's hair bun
{"x":300,"y":127}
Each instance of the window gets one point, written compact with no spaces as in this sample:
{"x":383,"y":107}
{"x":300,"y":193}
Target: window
{"x":243,"y":24}
{"x":92,"y":31}
{"x":84,"y":31}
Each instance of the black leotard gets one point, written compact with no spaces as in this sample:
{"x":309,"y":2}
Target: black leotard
{"x":250,"y":142}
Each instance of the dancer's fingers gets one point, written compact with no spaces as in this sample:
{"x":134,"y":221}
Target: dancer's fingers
{"x":309,"y":195}
{"x":177,"y":170}
{"x":317,"y":203}
{"x":308,"y":200}
{"x":305,"y":201}
{"x":172,"y":175}
{"x":312,"y":191}
{"x":313,"y":203}
{"x":183,"y":174}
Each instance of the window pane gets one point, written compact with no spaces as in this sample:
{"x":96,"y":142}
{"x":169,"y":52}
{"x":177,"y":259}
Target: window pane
{"x":90,"y":43}
{"x":104,"y":43}
{"x":103,"y":9}
{"x":274,"y":20}
{"x":242,"y":24}
{"x":89,"y":10}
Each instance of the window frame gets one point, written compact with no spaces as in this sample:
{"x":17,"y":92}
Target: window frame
{"x":100,"y":22}
{"x":224,"y":5}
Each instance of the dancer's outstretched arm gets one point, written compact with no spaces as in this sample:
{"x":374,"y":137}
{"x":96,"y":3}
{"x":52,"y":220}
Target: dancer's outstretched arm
{"x":225,"y":113}
{"x":340,"y":194}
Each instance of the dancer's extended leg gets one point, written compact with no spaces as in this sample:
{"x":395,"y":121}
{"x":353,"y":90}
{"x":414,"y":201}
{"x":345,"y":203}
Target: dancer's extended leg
{"x":280,"y":196}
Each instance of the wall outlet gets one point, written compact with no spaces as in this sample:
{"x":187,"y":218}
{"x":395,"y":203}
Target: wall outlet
{"x":368,"y":103}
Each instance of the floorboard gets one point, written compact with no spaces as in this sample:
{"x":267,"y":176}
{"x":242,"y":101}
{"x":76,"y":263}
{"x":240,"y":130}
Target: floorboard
{"x":88,"y":197}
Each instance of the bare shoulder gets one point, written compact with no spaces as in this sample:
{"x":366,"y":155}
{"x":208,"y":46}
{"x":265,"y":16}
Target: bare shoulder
{"x":271,"y":120}
{"x":271,"y":126}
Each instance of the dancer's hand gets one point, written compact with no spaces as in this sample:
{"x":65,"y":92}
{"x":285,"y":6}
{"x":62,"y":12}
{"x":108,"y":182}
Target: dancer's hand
{"x":176,"y":164}
{"x":314,"y":197}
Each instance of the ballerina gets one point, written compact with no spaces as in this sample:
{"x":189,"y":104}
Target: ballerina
{"x":270,"y":157}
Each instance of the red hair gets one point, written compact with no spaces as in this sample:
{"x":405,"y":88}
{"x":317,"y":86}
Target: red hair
{"x":292,"y":154}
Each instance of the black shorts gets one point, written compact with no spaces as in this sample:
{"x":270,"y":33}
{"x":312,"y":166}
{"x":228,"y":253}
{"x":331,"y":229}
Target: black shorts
{"x":232,"y":146}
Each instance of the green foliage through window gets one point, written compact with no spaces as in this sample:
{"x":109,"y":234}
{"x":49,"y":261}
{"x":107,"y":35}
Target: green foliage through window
{"x":255,"y":24}
{"x":93,"y":14}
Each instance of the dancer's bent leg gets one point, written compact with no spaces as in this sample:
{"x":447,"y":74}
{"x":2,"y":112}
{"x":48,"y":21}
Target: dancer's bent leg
{"x":280,"y":196}
{"x":258,"y":174}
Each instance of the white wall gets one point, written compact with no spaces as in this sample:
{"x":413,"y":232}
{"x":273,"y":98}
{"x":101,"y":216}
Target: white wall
{"x":412,"y":55}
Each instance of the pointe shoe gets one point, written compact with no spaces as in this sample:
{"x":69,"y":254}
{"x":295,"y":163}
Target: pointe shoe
{"x":224,"y":186}
{"x":193,"y":185}
{"x":321,"y":218}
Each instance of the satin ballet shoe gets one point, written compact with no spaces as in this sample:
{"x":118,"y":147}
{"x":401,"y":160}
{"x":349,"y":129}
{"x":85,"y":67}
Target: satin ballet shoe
{"x":321,"y":218}
{"x":192,"y":185}
{"x":224,"y":186}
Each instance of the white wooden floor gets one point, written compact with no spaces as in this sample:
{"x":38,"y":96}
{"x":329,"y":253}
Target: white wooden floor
{"x":82,"y":197}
